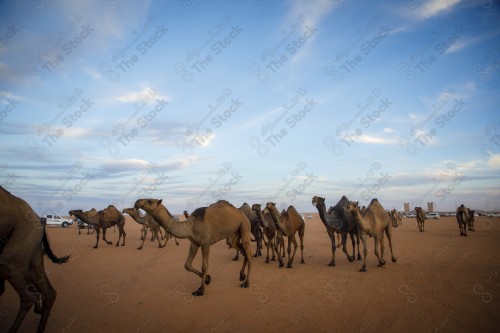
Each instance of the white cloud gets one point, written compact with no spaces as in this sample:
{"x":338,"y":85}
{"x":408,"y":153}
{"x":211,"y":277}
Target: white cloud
{"x":77,"y":132}
{"x":434,"y":7}
{"x":494,"y":161}
{"x":145,"y":94}
{"x":364,"y":138}
{"x":469,"y":41}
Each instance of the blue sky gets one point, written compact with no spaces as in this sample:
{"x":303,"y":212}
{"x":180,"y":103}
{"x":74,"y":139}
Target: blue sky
{"x":104,"y":102}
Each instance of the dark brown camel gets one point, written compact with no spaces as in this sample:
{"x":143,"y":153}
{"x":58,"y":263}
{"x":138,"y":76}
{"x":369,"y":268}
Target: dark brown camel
{"x":341,"y":222}
{"x":23,"y":242}
{"x":103,"y":219}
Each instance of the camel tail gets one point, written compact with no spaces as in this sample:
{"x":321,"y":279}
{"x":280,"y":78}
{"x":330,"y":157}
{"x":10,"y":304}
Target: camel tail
{"x":48,"y":250}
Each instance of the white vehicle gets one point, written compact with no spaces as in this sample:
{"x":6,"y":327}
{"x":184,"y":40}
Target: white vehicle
{"x":51,"y":219}
{"x":432,"y":215}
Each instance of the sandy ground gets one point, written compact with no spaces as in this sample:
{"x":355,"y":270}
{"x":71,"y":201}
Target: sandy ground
{"x":441,"y":282}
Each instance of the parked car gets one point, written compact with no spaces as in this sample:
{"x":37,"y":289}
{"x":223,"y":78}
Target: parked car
{"x":410,"y":216}
{"x":51,"y":219}
{"x":432,"y":215}
{"x":83,"y":225}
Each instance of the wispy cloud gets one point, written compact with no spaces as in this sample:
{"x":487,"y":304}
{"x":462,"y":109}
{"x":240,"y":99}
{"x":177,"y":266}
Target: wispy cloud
{"x":145,"y":94}
{"x":364,"y":138}
{"x":433,"y":7}
{"x":466,"y":42}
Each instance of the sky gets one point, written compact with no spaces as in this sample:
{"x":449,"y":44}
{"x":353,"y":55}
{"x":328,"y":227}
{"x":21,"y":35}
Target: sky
{"x":104,"y":102}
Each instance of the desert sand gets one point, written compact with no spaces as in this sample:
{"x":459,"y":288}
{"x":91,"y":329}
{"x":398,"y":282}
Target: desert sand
{"x":441,"y":282}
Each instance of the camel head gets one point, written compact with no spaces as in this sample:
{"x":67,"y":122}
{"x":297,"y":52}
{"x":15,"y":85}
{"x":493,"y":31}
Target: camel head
{"x":128,"y":211}
{"x":271,"y":207}
{"x":257,"y":209}
{"x":352,"y":207}
{"x":318,"y":201}
{"x":75,"y":212}
{"x":148,"y":205}
{"x":461,"y":208}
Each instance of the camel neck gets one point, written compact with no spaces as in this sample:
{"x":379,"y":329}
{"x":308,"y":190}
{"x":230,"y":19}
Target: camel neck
{"x":168,"y":222}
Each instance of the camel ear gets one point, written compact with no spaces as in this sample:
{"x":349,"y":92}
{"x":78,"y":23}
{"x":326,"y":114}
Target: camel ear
{"x":159,"y":202}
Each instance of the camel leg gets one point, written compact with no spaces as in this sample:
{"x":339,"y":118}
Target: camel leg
{"x":339,"y":240}
{"x":122,"y":231}
{"x":237,"y":255}
{"x":98,"y":231}
{"x":104,"y":237}
{"x":365,"y":251}
{"x":193,"y":249}
{"x":382,"y":249}
{"x":332,"y":240}
{"x":301,"y":238}
{"x":268,"y":245}
{"x":144,"y":233}
{"x":351,"y":234}
{"x":357,"y":242}
{"x":344,"y":247}
{"x":376,"y":245}
{"x":244,"y":245}
{"x":291,"y":240}
{"x":158,"y":238}
{"x":20,"y":284}
{"x":205,"y":251}
{"x":388,"y":232}
{"x":278,"y":245}
{"x":47,"y":293}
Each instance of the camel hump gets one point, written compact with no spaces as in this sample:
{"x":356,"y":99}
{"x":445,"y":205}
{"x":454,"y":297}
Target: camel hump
{"x":199,"y":213}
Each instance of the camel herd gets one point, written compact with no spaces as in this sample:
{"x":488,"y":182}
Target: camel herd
{"x":23,"y":240}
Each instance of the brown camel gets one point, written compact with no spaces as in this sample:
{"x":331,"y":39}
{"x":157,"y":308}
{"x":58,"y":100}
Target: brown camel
{"x":420,"y":218}
{"x":186,"y":214}
{"x":338,"y":221}
{"x":255,"y":227}
{"x":206,"y":226}
{"x":465,"y":219}
{"x":103,"y":219}
{"x":147,"y":222}
{"x":374,"y":222}
{"x":269,"y":228}
{"x":23,"y":242}
{"x":289,"y":223}
{"x":395,"y":218}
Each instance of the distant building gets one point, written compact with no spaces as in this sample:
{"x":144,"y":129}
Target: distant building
{"x":430,"y":207}
{"x":407,"y":207}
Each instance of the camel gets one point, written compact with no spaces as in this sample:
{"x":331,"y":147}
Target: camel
{"x":147,"y":222}
{"x":465,"y":219}
{"x":206,"y":226}
{"x":255,"y":225}
{"x":338,"y":222}
{"x":470,"y":222}
{"x":374,"y":222}
{"x":330,"y":214}
{"x":103,"y":219}
{"x":186,"y":214}
{"x":23,"y":242}
{"x":289,"y":223}
{"x":395,"y":218}
{"x":420,"y":218}
{"x":266,"y":220}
